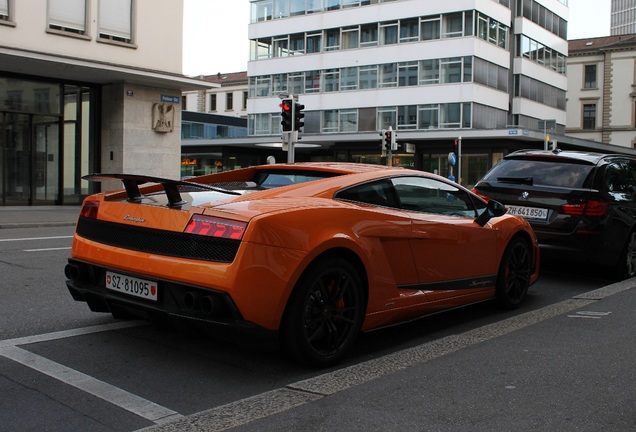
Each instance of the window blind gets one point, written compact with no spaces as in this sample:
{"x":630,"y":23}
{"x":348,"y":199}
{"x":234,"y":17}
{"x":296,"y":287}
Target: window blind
{"x":4,"y":7}
{"x":67,"y":14}
{"x":115,"y":18}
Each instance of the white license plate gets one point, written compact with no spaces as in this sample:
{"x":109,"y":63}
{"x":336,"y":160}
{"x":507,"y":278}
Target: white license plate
{"x":132,"y":286}
{"x":528,"y":212}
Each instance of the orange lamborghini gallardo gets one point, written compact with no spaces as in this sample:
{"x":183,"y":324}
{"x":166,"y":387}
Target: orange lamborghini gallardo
{"x":312,"y":253}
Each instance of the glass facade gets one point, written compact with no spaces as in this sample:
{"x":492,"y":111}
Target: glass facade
{"x":46,"y":141}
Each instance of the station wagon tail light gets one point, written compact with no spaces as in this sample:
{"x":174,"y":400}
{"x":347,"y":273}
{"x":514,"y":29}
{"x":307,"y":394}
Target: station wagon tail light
{"x":590,"y":208}
{"x":484,"y":197}
{"x":89,"y":209}
{"x":216,"y":227}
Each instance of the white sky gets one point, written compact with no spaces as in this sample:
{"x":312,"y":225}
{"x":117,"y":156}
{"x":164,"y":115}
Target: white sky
{"x":215,"y":32}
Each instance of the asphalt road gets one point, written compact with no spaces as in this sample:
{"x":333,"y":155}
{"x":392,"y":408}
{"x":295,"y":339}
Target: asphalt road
{"x":64,"y":368}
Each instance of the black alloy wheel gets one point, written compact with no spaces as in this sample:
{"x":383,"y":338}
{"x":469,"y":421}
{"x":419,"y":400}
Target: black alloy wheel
{"x":626,"y":267}
{"x":514,"y":275}
{"x":325,"y":313}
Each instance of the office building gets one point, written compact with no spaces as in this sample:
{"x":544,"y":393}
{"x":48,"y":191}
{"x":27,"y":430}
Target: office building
{"x":601,"y":103}
{"x":487,"y":74}
{"x":88,"y":86}
{"x":623,"y":17}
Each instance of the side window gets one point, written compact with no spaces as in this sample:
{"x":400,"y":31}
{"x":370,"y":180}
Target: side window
{"x":433,"y":196}
{"x":377,"y":193}
{"x":620,"y":177}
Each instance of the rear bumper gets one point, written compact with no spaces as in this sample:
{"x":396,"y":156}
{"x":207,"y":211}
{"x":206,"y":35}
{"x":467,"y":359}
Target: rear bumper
{"x":176,"y":302}
{"x":592,"y":247}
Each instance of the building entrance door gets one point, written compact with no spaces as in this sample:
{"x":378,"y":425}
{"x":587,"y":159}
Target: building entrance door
{"x":29,"y":162}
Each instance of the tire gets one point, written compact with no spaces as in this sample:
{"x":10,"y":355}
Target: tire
{"x":325,"y":313}
{"x":514,"y":274}
{"x":626,"y":267}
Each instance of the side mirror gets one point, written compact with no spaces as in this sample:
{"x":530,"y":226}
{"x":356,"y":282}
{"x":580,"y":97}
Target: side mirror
{"x":493,"y":209}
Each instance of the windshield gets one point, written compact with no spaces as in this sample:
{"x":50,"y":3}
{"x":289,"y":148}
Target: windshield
{"x":541,"y":172}
{"x":268,"y":180}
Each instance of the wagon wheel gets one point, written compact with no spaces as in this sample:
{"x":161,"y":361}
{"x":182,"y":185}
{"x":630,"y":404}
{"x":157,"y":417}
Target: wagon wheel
{"x":626,"y":267}
{"x":514,"y":274}
{"x":325,"y":313}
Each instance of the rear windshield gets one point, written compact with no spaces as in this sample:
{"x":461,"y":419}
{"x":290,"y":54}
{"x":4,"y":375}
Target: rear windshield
{"x":541,"y":172}
{"x":277,"y":178}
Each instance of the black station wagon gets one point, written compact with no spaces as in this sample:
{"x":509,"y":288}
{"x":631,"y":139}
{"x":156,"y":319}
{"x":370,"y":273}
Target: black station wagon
{"x":580,"y":205}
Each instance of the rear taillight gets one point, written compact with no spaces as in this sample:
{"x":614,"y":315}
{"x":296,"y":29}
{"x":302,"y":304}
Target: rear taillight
{"x":590,"y":208}
{"x":484,"y":197}
{"x":89,"y":209}
{"x":216,"y":227}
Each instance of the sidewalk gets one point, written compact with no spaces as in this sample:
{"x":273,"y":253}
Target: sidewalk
{"x":566,"y":367}
{"x":38,"y":216}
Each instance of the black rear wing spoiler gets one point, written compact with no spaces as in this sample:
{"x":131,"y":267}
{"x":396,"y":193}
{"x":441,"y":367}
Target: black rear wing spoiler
{"x":171,"y":187}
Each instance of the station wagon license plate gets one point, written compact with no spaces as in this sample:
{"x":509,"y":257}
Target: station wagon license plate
{"x":132,"y":286}
{"x":528,"y":212}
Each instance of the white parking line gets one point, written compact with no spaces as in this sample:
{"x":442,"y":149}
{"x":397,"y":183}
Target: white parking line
{"x":46,"y":249}
{"x":116,"y":396}
{"x":35,"y":238}
{"x":128,"y":401}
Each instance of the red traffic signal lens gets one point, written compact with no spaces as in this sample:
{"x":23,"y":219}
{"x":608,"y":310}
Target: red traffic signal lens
{"x":286,"y":106}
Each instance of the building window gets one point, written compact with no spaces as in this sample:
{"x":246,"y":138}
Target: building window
{"x":329,"y":121}
{"x":331,"y":80}
{"x":213,"y":102}
{"x":387,"y":117}
{"x":388,"y":75}
{"x":115,"y":20}
{"x":263,"y":86}
{"x":332,"y":40}
{"x":429,"y":72}
{"x":368,"y":77}
{"x":389,"y":33}
{"x":590,"y":77}
{"x":244,"y":100}
{"x":229,"y":101}
{"x":313,"y":43}
{"x":409,"y":30}
{"x":589,"y":116}
{"x":407,"y":72}
{"x":296,"y":82}
{"x":431,"y":28}
{"x":279,"y":84}
{"x":297,"y":44}
{"x":428,"y":116}
{"x":349,"y":78}
{"x":348,"y":120}
{"x":4,"y":10}
{"x":312,"y":82}
{"x":451,"y":70}
{"x":407,"y":117}
{"x":369,"y":35}
{"x":453,"y":25}
{"x":68,"y":16}
{"x":281,"y":47}
{"x":350,"y":38}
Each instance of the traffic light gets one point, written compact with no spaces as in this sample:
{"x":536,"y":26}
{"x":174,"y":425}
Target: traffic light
{"x":394,"y":145}
{"x":298,"y":116}
{"x":388,"y":139}
{"x":287,"y":114}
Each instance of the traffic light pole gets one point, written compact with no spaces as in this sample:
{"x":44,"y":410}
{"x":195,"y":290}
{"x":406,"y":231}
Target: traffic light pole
{"x":459,"y":160}
{"x":289,"y":139}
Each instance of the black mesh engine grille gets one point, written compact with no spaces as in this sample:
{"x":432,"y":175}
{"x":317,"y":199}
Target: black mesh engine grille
{"x":158,"y":242}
